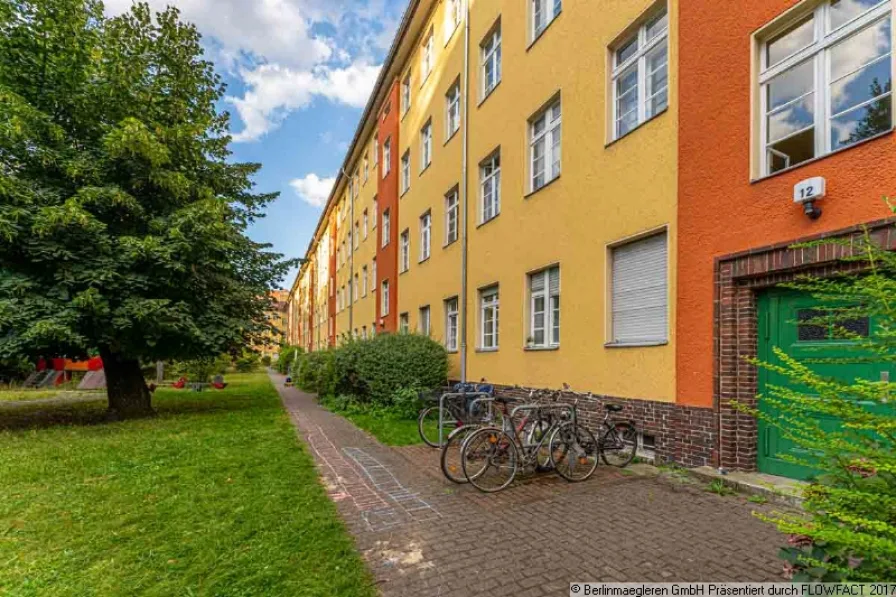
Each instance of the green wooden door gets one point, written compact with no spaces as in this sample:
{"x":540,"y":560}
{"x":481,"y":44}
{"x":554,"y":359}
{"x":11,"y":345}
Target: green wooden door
{"x":780,"y":312}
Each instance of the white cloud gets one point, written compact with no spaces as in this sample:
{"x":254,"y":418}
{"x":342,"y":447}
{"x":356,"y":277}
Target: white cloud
{"x":280,"y":51}
{"x":312,"y":189}
{"x":274,"y":91}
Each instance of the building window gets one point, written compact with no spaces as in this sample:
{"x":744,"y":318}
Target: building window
{"x":641,"y":75}
{"x":357,"y":235}
{"x":364,"y":281}
{"x":490,"y":187}
{"x":406,"y":172}
{"x":452,"y":105}
{"x":364,"y":224}
{"x":403,"y":323}
{"x":376,"y":151}
{"x":376,"y":206}
{"x":426,"y":57}
{"x":451,"y":216}
{"x":357,"y":185}
{"x":640,"y":291}
{"x":387,"y":157}
{"x":425,"y":321}
{"x":825,"y":82}
{"x":545,"y":146}
{"x":373,"y":274}
{"x":404,"y":251}
{"x":425,"y":235}
{"x":454,"y":10}
{"x":425,"y":145}
{"x":543,"y":13}
{"x":451,"y":327}
{"x":363,"y":332}
{"x":384,"y":298}
{"x":491,"y":61}
{"x":488,"y":318}
{"x":366,"y":168}
{"x":544,"y":308}
{"x":406,"y":94}
{"x":385,"y":229}
{"x":355,"y":289}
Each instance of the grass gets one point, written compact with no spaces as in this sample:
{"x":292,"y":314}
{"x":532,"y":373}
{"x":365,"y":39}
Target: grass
{"x":8,"y":394}
{"x":757,"y":499}
{"x":214,"y":496}
{"x":719,"y":487}
{"x":390,"y":428}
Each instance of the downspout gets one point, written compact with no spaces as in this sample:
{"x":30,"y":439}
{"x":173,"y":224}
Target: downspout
{"x":463,"y":176}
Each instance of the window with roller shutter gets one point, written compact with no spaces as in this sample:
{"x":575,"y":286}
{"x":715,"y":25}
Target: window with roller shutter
{"x":640,"y":301}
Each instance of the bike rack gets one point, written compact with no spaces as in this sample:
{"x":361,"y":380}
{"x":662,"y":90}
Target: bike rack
{"x":571,"y":408}
{"x":483,"y":396}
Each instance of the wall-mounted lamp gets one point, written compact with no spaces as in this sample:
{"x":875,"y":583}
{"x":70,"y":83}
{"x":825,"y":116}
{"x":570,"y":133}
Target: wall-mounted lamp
{"x":807,"y":193}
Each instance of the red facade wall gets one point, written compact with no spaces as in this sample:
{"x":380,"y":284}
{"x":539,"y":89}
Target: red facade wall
{"x":721,"y":211}
{"x":387,"y":199}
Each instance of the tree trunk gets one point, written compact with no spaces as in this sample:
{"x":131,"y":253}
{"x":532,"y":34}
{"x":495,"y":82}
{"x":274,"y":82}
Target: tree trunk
{"x":125,"y":387}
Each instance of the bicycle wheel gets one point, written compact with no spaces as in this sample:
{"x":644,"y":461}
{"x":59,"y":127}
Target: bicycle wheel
{"x":489,"y":459}
{"x":452,"y":467}
{"x":574,"y":452}
{"x":535,"y":432}
{"x":428,"y":425}
{"x":619,"y":444}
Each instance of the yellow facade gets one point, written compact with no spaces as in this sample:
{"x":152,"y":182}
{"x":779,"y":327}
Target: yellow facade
{"x":606,"y":192}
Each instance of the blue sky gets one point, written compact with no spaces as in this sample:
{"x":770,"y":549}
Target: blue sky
{"x":299,"y":72}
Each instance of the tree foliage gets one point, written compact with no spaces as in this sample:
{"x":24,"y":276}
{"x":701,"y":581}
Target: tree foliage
{"x":122,"y":218}
{"x":851,"y":531}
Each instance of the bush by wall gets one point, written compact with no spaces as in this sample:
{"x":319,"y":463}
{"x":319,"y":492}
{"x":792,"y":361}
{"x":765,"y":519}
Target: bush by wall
{"x":375,"y":370}
{"x":288,"y":356}
{"x":385,"y":370}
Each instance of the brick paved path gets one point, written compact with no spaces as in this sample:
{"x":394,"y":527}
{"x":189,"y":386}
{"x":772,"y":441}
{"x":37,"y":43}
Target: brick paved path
{"x":422,"y":535}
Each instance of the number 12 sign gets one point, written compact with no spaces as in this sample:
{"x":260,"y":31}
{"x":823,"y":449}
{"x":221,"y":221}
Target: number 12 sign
{"x":809,"y":190}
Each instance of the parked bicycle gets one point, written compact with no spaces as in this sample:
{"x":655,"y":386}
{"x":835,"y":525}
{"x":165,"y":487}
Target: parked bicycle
{"x":619,"y":439}
{"x":453,"y":410}
{"x":531,"y":427}
{"x":491,"y":457}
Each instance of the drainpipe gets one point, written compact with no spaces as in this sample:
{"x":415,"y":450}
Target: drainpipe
{"x":463,"y":186}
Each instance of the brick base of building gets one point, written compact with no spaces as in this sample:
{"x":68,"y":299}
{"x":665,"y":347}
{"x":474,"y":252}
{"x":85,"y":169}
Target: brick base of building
{"x":682,"y":434}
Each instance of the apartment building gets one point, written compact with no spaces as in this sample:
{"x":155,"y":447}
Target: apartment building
{"x":635,"y":159}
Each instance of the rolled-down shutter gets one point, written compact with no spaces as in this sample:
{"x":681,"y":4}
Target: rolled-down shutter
{"x":640,"y":291}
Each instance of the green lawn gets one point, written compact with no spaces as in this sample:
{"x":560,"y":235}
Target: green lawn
{"x":214,"y":496}
{"x":37,"y":394}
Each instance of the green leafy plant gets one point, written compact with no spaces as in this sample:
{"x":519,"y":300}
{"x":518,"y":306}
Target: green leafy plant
{"x":719,"y":487}
{"x":757,"y":499}
{"x":850,"y":532}
{"x":123,"y":216}
{"x":288,"y":356}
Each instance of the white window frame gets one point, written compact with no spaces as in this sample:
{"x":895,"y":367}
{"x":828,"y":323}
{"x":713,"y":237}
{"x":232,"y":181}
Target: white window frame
{"x":643,"y":340}
{"x":639,"y":61}
{"x":452,"y":205}
{"x":364,"y":281}
{"x":489,"y":302}
{"x":386,"y":229}
{"x":453,"y":17}
{"x":387,"y":157}
{"x":425,"y":236}
{"x":549,"y":9}
{"x":492,"y":179}
{"x":355,"y":290}
{"x":404,"y":251}
{"x":356,"y":236}
{"x":452,"y":110}
{"x":384,"y":298}
{"x":365,"y":225}
{"x":425,"y":145}
{"x":406,"y":172}
{"x":452,"y":317}
{"x":366,"y":168}
{"x":426,"y":56}
{"x":550,"y":308}
{"x":550,"y":139}
{"x":424,"y":317}
{"x":376,"y":152}
{"x":490,"y":50}
{"x":406,"y":94}
{"x":404,"y":323}
{"x":819,"y":52}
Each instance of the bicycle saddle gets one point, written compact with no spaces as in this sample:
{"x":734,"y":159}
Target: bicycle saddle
{"x":612,"y":408}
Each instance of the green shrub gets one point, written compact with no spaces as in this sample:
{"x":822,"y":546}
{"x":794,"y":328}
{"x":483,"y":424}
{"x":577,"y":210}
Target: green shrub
{"x":247,"y":362}
{"x":287,"y":358}
{"x":266,"y":360}
{"x":197,"y":370}
{"x":315,"y":372}
{"x":375,"y":370}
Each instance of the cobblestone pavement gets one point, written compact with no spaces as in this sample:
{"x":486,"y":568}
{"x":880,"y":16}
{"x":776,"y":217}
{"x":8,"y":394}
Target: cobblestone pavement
{"x":422,"y":535}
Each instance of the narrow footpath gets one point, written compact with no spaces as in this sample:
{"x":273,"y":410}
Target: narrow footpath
{"x":422,"y":535}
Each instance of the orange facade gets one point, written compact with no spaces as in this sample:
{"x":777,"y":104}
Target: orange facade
{"x":726,"y":205}
{"x":387,"y":207}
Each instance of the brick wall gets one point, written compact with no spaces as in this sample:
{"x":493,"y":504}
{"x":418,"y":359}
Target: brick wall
{"x":682,"y":434}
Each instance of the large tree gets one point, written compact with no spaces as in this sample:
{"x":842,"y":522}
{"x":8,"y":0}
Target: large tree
{"x":122,"y":217}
